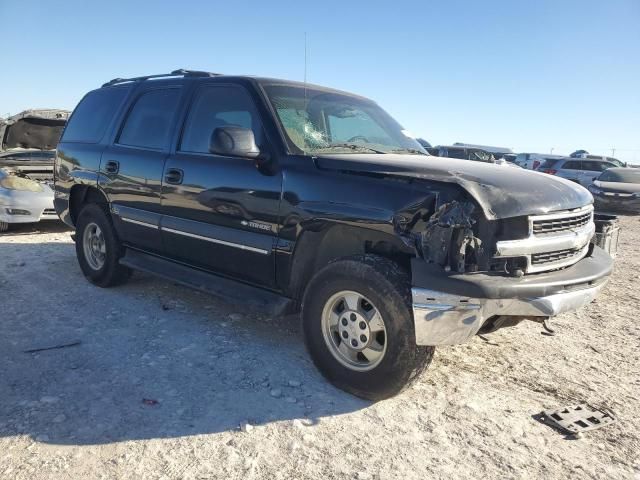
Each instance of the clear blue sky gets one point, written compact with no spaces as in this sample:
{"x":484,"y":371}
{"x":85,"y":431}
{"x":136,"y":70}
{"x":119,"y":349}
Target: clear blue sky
{"x":530,"y":75}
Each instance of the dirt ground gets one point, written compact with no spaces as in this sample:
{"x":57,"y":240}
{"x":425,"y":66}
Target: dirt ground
{"x":168,"y":383}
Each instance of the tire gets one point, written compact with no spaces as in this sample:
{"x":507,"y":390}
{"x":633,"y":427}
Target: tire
{"x":4,"y":226}
{"x":93,"y":218}
{"x":378,"y":283}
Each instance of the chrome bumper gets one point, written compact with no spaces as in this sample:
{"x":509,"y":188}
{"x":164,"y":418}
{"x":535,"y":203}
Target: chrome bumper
{"x":444,"y":319}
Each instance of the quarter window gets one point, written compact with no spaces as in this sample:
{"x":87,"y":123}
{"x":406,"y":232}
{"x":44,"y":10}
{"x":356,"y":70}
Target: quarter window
{"x":148,"y":124}
{"x":91,"y":117}
{"x":214,"y":107}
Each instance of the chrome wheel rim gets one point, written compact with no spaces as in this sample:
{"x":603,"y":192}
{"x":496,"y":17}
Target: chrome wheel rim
{"x":354,"y":331}
{"x":94,"y":247}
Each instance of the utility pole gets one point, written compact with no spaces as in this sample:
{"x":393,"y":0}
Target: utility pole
{"x":551,"y":151}
{"x":613,"y":152}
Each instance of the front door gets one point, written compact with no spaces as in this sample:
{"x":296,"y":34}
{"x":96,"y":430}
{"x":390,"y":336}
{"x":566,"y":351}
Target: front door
{"x":132,"y":166}
{"x":220,"y":213}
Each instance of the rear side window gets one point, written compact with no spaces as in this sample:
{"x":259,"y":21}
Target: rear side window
{"x":91,"y":117}
{"x":572,"y":165}
{"x":595,"y":166}
{"x":218,"y":106}
{"x":456,"y":153}
{"x":149,"y":122}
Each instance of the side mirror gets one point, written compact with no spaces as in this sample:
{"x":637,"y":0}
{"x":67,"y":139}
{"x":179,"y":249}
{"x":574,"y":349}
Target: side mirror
{"x":234,"y":141}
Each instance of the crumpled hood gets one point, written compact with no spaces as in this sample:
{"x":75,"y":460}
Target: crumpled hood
{"x":33,"y":129}
{"x":500,"y":192}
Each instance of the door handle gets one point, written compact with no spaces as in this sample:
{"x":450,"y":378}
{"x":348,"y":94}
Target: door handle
{"x":112,"y":166}
{"x":174,"y":176}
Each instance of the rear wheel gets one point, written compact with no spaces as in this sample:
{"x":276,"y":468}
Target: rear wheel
{"x":98,"y":248}
{"x":359,"y":328}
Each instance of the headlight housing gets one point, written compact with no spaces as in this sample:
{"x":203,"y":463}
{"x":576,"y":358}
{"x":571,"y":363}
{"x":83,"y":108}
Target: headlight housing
{"x":594,"y":190}
{"x":12,"y":182}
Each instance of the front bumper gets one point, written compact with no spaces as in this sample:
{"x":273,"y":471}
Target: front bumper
{"x":462,"y":303}
{"x":617,"y":204}
{"x":20,"y":206}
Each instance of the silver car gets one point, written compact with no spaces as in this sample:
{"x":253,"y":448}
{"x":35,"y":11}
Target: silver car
{"x":580,"y":170}
{"x":27,"y":155}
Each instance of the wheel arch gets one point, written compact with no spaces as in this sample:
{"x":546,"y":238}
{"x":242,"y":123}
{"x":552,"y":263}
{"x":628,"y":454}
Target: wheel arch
{"x":80,"y":195}
{"x":317,"y":248}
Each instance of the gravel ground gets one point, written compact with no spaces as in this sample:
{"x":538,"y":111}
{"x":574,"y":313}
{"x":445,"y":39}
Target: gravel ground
{"x":169,"y":383}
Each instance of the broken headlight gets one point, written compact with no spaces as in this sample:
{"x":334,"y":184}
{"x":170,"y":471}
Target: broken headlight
{"x":11,"y":182}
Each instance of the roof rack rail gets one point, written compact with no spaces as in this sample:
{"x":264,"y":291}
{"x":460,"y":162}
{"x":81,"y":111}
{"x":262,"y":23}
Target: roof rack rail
{"x":181,"y":72}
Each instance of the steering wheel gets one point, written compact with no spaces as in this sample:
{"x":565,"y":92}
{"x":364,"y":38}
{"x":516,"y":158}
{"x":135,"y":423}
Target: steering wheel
{"x":360,"y":138}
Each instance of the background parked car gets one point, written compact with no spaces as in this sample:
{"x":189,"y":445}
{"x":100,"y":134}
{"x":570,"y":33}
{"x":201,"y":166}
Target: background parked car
{"x":532,"y":161}
{"x":497,"y":152}
{"x":465,"y":153}
{"x":427,"y":146}
{"x":617,"y":190}
{"x":582,"y":171}
{"x":587,"y":155}
{"x":27,"y":154}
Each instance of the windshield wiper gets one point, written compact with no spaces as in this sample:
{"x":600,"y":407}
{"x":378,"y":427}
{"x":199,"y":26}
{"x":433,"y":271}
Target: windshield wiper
{"x":409,"y":150}
{"x":352,"y":146}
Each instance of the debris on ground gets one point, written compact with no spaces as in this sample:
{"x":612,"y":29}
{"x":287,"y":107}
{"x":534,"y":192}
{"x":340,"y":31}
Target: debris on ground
{"x":150,"y":401}
{"x":53,"y":347}
{"x":578,"y":419}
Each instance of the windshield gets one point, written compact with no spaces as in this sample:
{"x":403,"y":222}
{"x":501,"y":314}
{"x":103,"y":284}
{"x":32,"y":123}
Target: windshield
{"x":628,"y":175}
{"x":317,"y":121}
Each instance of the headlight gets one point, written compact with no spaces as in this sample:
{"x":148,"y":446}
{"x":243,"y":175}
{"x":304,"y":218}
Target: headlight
{"x":593,"y":189}
{"x":18,"y":183}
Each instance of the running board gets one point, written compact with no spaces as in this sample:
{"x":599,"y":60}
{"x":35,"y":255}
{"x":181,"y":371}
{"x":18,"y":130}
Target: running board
{"x":254,"y":298}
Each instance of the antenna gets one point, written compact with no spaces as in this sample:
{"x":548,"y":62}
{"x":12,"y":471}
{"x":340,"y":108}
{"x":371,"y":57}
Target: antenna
{"x":305,"y":60}
{"x":304,"y":136}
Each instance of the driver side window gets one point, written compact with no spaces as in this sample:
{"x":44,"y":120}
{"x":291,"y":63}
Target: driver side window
{"x":218,"y":106}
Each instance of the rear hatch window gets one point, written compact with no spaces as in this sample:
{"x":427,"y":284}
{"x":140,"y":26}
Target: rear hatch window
{"x":548,"y":163}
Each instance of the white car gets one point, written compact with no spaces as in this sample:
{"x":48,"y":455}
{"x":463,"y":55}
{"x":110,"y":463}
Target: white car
{"x":27,"y":155}
{"x":532,"y":161}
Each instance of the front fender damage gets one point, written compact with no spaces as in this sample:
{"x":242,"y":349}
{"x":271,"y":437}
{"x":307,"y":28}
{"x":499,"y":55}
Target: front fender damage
{"x":447,"y":237}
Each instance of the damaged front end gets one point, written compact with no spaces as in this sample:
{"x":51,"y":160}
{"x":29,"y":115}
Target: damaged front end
{"x":27,"y":158}
{"x":472,"y":274}
{"x":449,"y":240}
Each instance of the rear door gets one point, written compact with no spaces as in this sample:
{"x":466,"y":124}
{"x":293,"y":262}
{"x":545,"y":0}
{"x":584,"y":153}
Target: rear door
{"x":132,"y":165}
{"x":571,"y":170}
{"x":221,"y":212}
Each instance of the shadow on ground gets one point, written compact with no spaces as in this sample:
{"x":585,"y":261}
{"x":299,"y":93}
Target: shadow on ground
{"x":155,"y":360}
{"x":48,"y":226}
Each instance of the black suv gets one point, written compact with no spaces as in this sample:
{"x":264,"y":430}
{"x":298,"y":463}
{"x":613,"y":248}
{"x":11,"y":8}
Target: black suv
{"x":290,"y":196}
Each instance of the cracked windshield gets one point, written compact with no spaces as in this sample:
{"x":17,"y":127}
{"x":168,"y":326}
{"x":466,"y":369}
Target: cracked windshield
{"x":320,"y":121}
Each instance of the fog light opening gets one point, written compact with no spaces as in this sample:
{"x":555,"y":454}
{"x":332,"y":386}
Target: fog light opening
{"x":17,"y":211}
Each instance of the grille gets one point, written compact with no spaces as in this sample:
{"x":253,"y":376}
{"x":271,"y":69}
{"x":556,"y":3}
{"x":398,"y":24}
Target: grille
{"x":552,"y":257}
{"x":49,"y":211}
{"x":542,"y":226}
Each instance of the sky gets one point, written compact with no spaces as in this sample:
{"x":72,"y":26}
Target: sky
{"x":529,"y":75}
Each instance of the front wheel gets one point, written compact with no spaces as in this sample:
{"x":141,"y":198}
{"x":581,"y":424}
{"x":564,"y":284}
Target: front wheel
{"x":359,"y":328}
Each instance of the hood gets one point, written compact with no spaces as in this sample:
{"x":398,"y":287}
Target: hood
{"x":33,"y":129}
{"x":618,"y":187}
{"x":500,"y":192}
